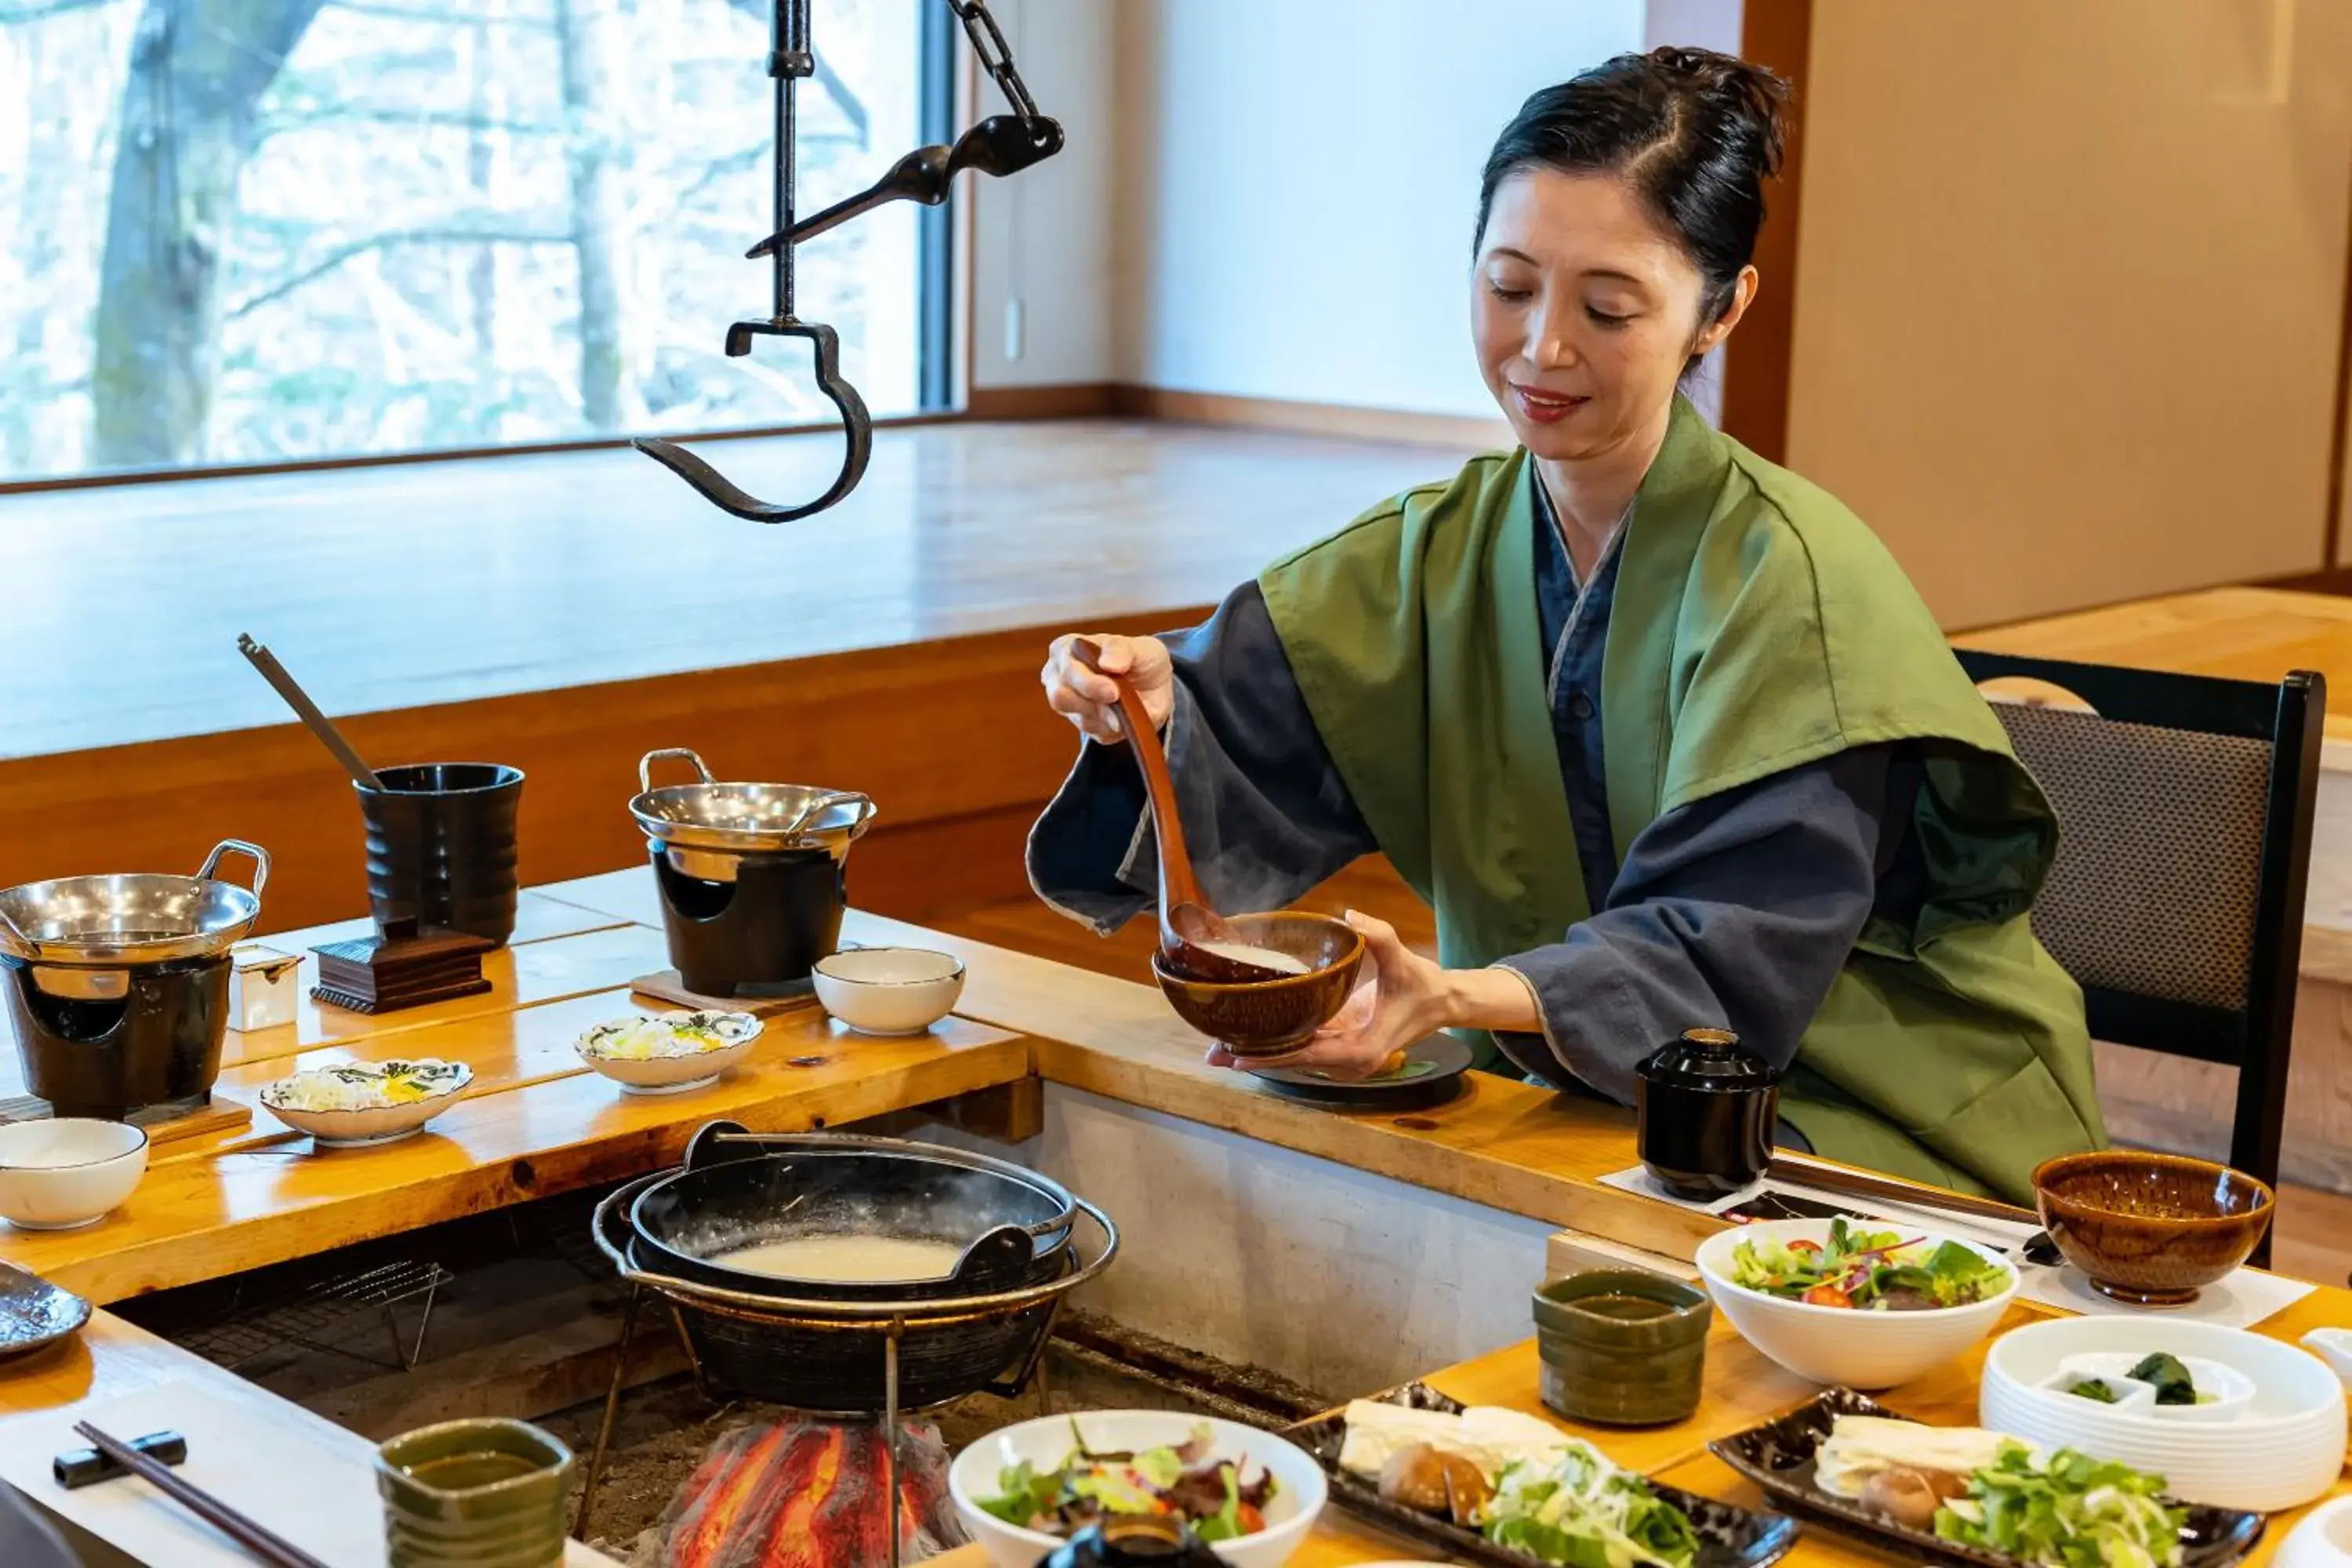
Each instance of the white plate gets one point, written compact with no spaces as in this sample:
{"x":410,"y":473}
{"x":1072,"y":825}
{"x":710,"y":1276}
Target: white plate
{"x":2284,"y":1449}
{"x":2323,"y":1540}
{"x":374,"y":1124}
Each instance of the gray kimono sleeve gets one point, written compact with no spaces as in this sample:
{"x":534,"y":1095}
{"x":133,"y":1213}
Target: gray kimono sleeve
{"x":1736,"y":911}
{"x":1265,"y":815}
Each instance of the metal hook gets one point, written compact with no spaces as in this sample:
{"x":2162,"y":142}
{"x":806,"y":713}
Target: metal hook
{"x":999,"y":145}
{"x":857,"y":424}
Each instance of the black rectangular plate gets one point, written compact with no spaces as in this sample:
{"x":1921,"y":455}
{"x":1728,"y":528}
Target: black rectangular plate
{"x":1728,"y":1536}
{"x":1779,"y":1458}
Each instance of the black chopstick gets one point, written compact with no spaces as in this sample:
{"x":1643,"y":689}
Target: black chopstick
{"x":272,"y":1549}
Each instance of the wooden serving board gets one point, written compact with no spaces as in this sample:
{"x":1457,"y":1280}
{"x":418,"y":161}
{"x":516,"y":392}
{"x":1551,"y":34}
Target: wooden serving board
{"x":664,"y":986}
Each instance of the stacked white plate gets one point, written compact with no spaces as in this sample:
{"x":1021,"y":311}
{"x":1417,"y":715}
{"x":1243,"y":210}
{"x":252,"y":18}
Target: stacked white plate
{"x":2270,"y":1437}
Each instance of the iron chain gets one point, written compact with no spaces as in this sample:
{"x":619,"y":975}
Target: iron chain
{"x":995,"y":55}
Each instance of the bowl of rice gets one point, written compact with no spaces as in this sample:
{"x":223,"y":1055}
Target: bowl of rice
{"x":668,"y":1053}
{"x":352,"y":1104}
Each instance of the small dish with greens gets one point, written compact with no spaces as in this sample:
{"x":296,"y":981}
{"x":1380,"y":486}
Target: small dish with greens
{"x":1021,"y":1491}
{"x":1965,"y":1495}
{"x":1500,"y":1486}
{"x":2157,"y":1385}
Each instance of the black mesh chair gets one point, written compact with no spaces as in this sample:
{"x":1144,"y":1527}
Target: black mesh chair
{"x":2184,"y":809}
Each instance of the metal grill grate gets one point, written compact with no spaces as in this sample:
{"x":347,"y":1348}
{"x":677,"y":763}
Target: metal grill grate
{"x":327,"y":1315}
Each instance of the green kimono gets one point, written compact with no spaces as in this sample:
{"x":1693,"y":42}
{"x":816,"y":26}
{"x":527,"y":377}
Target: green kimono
{"x":1756,"y":626}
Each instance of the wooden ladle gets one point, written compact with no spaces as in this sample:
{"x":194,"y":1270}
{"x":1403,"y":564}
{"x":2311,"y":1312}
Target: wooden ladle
{"x":1186,"y":920}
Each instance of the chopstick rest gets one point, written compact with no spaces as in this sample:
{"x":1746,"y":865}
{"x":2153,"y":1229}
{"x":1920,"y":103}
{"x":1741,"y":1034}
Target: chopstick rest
{"x":77,"y":1467}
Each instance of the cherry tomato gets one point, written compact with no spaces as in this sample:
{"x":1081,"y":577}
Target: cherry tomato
{"x":1827,"y":1296}
{"x":1802,"y":1244}
{"x":1251,"y":1519}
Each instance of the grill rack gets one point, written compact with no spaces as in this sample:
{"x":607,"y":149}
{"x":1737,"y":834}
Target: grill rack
{"x":320,"y":1316}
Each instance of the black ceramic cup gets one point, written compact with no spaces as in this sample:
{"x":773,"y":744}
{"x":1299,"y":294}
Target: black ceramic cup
{"x":441,"y":847}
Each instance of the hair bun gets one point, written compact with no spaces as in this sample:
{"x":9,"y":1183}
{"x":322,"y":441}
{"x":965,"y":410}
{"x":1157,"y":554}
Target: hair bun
{"x":1748,"y":93}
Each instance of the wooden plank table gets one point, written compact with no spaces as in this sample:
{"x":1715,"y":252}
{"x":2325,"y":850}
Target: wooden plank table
{"x":112,"y":1358}
{"x":1742,"y":1388}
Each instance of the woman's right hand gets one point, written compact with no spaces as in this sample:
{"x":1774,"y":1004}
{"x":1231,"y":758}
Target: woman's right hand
{"x":1090,"y":700}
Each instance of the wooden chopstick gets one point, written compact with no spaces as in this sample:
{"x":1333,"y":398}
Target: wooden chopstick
{"x":1860,"y":1183}
{"x":272,"y":1549}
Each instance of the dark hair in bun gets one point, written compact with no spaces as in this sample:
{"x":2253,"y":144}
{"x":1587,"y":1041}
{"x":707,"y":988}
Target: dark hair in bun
{"x":1697,"y":133}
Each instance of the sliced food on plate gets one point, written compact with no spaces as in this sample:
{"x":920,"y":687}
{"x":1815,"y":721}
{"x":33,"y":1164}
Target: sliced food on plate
{"x":1517,"y":1480}
{"x":1986,"y":1490}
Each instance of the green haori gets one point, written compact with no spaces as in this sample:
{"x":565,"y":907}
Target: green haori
{"x":1756,"y":626}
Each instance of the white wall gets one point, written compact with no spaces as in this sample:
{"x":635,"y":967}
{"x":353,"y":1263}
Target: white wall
{"x":1297,"y":182}
{"x":1043,"y":237}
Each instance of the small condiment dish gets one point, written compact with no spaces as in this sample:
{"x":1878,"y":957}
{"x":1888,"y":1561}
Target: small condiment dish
{"x":2150,"y":1229}
{"x":1621,"y":1346}
{"x":2324,"y":1538}
{"x":380,"y":1119}
{"x":690,"y":1050}
{"x":2223,"y":1393}
{"x":67,"y":1172}
{"x":889,"y":989}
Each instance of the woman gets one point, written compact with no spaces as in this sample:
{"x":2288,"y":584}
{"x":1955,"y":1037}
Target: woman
{"x":1660,"y":729}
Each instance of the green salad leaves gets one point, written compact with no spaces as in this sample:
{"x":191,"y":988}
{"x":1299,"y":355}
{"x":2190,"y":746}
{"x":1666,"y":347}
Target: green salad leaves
{"x":1578,"y":1508}
{"x":1870,"y":1270}
{"x":2070,"y":1512}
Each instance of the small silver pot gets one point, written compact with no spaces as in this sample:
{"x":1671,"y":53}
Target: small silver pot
{"x":110,"y":921}
{"x":704,"y":829}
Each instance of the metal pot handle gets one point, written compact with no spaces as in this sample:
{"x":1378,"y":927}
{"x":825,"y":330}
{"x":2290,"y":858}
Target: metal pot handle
{"x":259,"y":856}
{"x":645,"y":766}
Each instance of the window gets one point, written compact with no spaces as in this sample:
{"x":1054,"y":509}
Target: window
{"x":256,"y":231}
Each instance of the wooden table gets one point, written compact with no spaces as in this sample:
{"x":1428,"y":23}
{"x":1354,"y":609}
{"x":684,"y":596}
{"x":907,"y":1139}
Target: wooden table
{"x":537,"y":1121}
{"x":1742,"y":1388}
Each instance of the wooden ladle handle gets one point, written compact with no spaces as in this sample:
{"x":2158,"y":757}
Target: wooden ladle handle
{"x":1176,"y":883}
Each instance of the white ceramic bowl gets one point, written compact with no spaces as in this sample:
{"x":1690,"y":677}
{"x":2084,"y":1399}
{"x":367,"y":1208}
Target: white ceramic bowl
{"x":889,"y":989}
{"x":2284,"y":1447}
{"x":674,"y":1073}
{"x":1046,"y":1443}
{"x":376,"y":1125}
{"x":1860,"y":1349}
{"x":2324,"y":1538}
{"x":67,"y":1172}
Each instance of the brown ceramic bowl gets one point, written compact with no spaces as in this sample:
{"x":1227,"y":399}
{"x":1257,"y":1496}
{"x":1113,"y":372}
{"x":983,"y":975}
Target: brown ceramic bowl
{"x":2152,"y":1230}
{"x":1272,"y":1017}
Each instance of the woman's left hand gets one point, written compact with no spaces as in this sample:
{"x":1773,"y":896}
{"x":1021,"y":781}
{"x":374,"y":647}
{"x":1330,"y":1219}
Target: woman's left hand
{"x":1404,"y":998}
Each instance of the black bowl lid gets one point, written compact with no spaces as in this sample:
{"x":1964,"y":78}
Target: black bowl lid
{"x":1708,"y":1059}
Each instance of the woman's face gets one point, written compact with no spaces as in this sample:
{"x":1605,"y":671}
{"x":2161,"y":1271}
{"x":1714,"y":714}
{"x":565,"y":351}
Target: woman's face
{"x":1585,"y":311}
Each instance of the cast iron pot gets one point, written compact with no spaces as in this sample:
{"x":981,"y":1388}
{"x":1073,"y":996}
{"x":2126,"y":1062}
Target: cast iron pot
{"x":736,"y":1190}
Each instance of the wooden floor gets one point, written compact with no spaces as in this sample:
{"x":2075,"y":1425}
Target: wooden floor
{"x":431,"y":582}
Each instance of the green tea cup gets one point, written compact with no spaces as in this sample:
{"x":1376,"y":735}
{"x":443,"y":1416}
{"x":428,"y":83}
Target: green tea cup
{"x":478,"y":1493}
{"x":1621,"y":1347}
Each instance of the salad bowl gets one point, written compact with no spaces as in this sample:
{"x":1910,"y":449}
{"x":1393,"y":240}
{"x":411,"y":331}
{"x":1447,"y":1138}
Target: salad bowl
{"x":1911,"y":1301}
{"x":982,"y":1474}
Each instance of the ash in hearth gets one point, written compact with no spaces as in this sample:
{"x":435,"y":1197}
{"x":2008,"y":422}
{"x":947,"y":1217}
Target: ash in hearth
{"x":806,"y":1494}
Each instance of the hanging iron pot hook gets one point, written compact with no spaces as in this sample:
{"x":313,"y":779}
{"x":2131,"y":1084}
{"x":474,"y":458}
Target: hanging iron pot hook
{"x":857,"y":424}
{"x":1000,"y":145}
